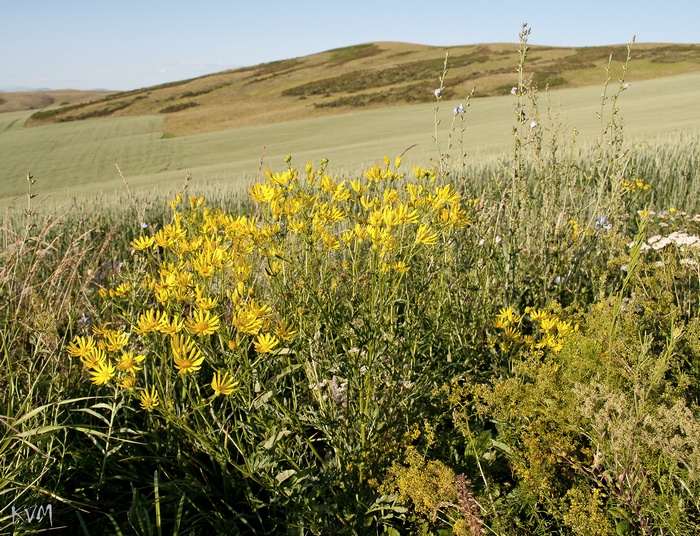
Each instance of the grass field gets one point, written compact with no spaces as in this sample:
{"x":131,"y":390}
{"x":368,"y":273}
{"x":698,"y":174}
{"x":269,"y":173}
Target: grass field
{"x":79,"y":158}
{"x":511,"y":347}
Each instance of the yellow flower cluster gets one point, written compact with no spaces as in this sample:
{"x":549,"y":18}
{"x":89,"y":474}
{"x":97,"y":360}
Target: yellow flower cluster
{"x":546,"y":330}
{"x":194,"y":296}
{"x":635,"y":185}
{"x":379,"y":208}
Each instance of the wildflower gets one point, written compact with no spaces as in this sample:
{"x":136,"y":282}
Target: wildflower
{"x":102,"y":373}
{"x":149,"y":399}
{"x":507,"y":316}
{"x":127,"y":382}
{"x":120,"y":290}
{"x":265,"y":343}
{"x":143,"y":242}
{"x":202,"y":323}
{"x":459,"y":109}
{"x":626,"y":85}
{"x":185,"y":353}
{"x":285,"y":331}
{"x":602,"y":223}
{"x":222,"y":384}
{"x":170,"y":327}
{"x":188,"y":360}
{"x":82,"y":347}
{"x":533,"y":124}
{"x":115,"y":340}
{"x":93,"y":359}
{"x":426,"y":235}
{"x":128,"y":362}
{"x":149,"y":321}
{"x":514,"y":91}
{"x":437,"y":93}
{"x":247,"y":322}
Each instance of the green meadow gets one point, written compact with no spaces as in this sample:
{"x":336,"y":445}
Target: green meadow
{"x":388,"y":318}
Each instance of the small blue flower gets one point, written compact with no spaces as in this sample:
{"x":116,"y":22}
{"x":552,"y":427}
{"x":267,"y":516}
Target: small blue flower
{"x":459,"y":109}
{"x":559,"y":280}
{"x":602,"y":223}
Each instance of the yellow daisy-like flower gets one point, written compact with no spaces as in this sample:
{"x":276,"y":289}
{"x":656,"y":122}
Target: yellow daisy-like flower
{"x":202,"y":323}
{"x":127,"y":382}
{"x":187,"y":356}
{"x":149,"y":399}
{"x":142,"y":242}
{"x":93,"y":359}
{"x":285,"y":331}
{"x":507,"y":316}
{"x":222,"y":384}
{"x":265,"y":343}
{"x":426,"y":235}
{"x":120,"y":290}
{"x":148,"y":322}
{"x":115,"y":340}
{"x":81,"y":347}
{"x":102,"y":373}
{"x":128,"y":362}
{"x":170,"y":327}
{"x":247,"y":322}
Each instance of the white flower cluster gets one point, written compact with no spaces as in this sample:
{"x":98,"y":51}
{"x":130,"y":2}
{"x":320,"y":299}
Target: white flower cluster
{"x":679,"y":238}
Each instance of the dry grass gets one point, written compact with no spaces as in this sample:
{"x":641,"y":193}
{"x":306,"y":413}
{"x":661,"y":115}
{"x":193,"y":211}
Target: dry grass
{"x":17,"y":101}
{"x":367,"y":76}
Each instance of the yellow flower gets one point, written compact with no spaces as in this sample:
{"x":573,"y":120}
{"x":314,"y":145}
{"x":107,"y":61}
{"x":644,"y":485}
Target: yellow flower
{"x":170,"y":327}
{"x":222,"y":384}
{"x":120,"y":290}
{"x":247,"y":322}
{"x":187,"y":356}
{"x":507,"y":316}
{"x":128,"y":362}
{"x":202,"y":323}
{"x":284,"y":331}
{"x":115,"y":340}
{"x":149,"y":399}
{"x":265,"y":343}
{"x":102,"y":373}
{"x":426,"y":235}
{"x":81,"y":347}
{"x":262,"y":193}
{"x":149,"y":321}
{"x":143,"y":242}
{"x":127,"y":382}
{"x":93,"y":359}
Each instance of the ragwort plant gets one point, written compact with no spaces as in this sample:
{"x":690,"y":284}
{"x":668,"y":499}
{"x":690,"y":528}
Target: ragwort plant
{"x":292,"y":345}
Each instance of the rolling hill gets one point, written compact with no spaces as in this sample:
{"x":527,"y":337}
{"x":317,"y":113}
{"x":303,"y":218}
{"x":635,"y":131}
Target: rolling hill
{"x":352,"y":105}
{"x":17,"y":101}
{"x":366,"y":76}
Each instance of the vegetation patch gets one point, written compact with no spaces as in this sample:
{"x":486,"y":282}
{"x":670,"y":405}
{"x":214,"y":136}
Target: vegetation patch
{"x":356,"y":52}
{"x":178,"y":107}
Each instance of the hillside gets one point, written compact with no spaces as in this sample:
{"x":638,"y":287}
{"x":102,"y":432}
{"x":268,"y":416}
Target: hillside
{"x":17,"y":101}
{"x":367,"y":76}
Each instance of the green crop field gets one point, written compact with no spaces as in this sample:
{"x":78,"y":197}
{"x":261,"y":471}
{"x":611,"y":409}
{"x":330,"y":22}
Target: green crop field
{"x":78,"y":158}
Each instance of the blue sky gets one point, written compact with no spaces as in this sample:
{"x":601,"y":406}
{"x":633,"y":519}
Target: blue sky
{"x":128,"y":44}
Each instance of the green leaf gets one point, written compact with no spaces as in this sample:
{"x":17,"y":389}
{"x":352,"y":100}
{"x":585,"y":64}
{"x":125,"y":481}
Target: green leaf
{"x":262,"y":399}
{"x":284,"y":475}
